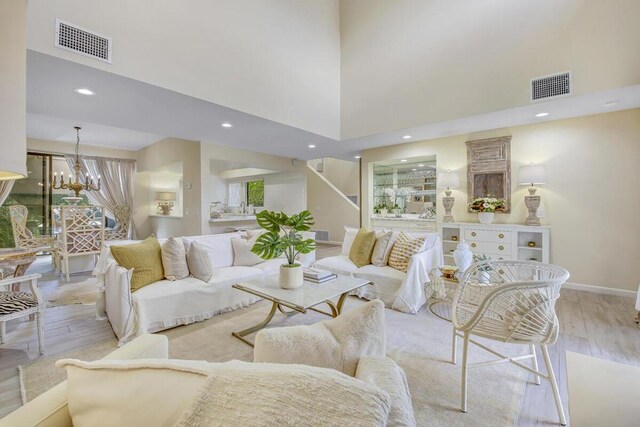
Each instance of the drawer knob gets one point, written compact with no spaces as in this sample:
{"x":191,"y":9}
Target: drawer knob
{"x":501,"y":247}
{"x":473,"y":245}
{"x":501,"y":271}
{"x":501,"y":236}
{"x":473,"y":233}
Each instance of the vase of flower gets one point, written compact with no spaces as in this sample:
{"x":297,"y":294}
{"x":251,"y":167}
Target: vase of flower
{"x":486,"y":207}
{"x":486,"y":217}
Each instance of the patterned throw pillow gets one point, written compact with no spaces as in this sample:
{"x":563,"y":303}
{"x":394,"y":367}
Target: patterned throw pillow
{"x":403,"y":249}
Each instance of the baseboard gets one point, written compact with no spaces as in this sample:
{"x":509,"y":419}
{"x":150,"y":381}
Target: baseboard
{"x":600,"y":290}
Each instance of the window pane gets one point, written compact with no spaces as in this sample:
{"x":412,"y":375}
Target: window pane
{"x":255,"y":193}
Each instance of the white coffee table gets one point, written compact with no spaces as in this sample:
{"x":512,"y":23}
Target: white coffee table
{"x":298,"y":300}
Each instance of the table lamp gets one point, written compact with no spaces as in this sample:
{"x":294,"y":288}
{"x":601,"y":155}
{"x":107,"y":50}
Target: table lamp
{"x":448,"y":180}
{"x":165,"y":201}
{"x":532,"y":175}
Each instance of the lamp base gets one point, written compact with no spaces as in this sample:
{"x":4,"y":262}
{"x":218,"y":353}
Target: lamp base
{"x":448,"y":202}
{"x":532,"y":203}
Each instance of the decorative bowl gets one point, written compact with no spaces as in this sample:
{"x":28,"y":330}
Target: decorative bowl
{"x":448,"y":271}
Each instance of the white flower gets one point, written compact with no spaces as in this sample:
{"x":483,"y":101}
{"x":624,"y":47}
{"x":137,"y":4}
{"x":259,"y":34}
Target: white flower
{"x":485,"y":205}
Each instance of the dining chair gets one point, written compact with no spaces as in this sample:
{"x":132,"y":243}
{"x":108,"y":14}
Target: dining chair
{"x":510,"y":302}
{"x":24,"y":238}
{"x":122,"y":215}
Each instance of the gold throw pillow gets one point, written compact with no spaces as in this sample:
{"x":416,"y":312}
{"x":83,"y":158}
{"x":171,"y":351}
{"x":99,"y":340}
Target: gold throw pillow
{"x":362,"y":247}
{"x":145,"y":258}
{"x":403,"y":249}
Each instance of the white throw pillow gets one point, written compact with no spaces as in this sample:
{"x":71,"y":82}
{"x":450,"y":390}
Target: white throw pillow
{"x":174,"y":260}
{"x":383,"y":243}
{"x":261,"y":394}
{"x":218,"y":246}
{"x":242,"y":255}
{"x":199,"y":262}
{"x":132,"y":393}
{"x":349,"y":236}
{"x":251,"y":234}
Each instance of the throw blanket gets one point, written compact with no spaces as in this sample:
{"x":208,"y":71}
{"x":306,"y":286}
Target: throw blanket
{"x":256,"y":394}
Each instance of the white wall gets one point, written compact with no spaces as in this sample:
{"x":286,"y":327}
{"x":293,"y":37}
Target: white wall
{"x":13,"y":89}
{"x":277,"y":59}
{"x":413,"y":62}
{"x":591,"y":199}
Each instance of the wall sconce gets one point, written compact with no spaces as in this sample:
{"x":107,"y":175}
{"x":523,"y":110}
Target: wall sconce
{"x":532,"y":175}
{"x":165,"y":201}
{"x":448,"y":180}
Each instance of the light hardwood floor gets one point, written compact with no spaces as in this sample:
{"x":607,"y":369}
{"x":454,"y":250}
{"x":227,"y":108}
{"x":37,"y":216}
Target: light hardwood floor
{"x":592,"y":324}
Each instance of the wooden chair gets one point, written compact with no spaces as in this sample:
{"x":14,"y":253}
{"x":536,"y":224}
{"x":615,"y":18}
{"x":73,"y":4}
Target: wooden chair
{"x":16,"y":304}
{"x":122,"y":215}
{"x":82,"y":232}
{"x":511,"y":302}
{"x":24,"y":238}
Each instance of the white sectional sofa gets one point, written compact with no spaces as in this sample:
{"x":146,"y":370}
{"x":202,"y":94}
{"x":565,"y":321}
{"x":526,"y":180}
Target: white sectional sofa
{"x":166,"y":304}
{"x":398,"y":290}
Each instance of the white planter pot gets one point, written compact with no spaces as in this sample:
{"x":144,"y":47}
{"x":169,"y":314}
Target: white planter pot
{"x":485,"y":217}
{"x":291,"y":277}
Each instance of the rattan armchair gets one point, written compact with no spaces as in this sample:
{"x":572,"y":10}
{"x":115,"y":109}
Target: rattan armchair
{"x":511,"y":302}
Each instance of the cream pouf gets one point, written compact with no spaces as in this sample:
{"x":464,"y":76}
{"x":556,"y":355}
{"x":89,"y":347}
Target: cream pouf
{"x":337,"y":343}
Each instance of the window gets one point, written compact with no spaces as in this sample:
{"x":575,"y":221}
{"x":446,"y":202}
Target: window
{"x":255,"y":193}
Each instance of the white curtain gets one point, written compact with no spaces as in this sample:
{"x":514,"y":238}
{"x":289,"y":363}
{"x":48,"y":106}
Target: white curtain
{"x":5,"y":189}
{"x":236,"y":190}
{"x":117,"y":181}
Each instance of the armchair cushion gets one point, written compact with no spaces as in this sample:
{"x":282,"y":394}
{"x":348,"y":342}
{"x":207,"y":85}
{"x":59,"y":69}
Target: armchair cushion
{"x":145,"y":258}
{"x":337,"y":343}
{"x":13,"y":302}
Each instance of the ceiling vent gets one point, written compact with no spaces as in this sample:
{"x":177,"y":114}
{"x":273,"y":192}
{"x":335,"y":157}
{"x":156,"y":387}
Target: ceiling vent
{"x":85,"y":42}
{"x":551,"y":86}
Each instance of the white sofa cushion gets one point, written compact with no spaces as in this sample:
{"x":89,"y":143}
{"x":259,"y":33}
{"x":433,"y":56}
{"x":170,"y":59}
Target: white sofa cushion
{"x":270,"y":266}
{"x":242,"y":255}
{"x":218,"y":246}
{"x":337,"y":343}
{"x":199,"y":262}
{"x":382,"y":248}
{"x":129,"y":392}
{"x":339,"y":264}
{"x":349,"y":236}
{"x":174,"y":259}
{"x":248,"y":394}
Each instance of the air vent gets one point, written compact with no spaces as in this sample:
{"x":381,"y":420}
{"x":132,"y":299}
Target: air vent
{"x":85,"y":42}
{"x":551,"y":86}
{"x":322,"y":235}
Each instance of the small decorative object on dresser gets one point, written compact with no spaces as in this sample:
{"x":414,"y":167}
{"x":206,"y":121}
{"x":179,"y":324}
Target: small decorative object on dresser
{"x":463,"y":257}
{"x":448,"y":180}
{"x":532,"y":175}
{"x":486,"y":207}
{"x":284,"y":235}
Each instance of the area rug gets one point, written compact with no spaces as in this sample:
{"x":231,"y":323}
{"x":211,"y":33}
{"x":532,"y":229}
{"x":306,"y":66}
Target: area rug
{"x":85,"y":292}
{"x":421,"y":344}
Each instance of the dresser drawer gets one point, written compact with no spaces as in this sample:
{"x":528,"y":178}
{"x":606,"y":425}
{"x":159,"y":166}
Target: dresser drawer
{"x":487,"y":236}
{"x":491,"y":249}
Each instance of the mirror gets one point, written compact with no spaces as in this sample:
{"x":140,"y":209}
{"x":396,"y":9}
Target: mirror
{"x":405,"y":187}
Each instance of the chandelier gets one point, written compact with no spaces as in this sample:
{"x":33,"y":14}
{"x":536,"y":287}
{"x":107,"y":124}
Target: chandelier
{"x":76,"y":186}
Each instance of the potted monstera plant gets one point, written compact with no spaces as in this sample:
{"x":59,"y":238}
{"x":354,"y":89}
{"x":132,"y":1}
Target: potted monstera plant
{"x":284,"y":236}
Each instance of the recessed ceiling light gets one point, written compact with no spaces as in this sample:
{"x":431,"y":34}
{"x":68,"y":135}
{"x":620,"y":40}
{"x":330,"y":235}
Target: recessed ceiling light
{"x":610,"y":104}
{"x":414,"y":169}
{"x":420,"y":165}
{"x":357,"y":157}
{"x":227,"y":125}
{"x":406,"y":137}
{"x":84,"y":91}
{"x":403,"y":160}
{"x":543,"y":114}
{"x":311,"y":146}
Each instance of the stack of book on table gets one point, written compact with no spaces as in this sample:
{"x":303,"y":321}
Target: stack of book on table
{"x":318,"y":276}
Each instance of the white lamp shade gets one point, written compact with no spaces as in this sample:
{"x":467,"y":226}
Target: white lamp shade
{"x":166,"y":196}
{"x":448,"y":180}
{"x":532,"y":174}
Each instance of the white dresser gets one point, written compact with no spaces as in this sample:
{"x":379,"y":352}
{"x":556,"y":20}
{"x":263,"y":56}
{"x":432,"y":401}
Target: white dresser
{"x":405,"y":223}
{"x":497,"y":241}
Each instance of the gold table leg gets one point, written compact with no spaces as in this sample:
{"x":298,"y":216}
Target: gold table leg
{"x":240,"y":335}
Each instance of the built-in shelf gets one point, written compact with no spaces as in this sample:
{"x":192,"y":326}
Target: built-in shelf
{"x":166,"y":216}
{"x":530,"y":248}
